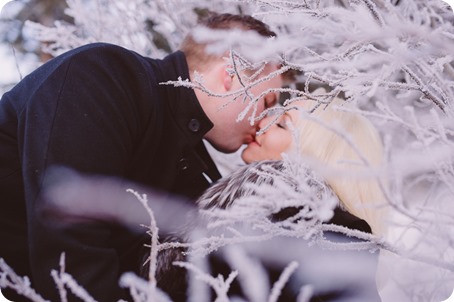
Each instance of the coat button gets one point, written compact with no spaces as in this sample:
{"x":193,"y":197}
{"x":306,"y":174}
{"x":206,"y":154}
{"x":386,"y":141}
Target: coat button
{"x":183,"y":164}
{"x":194,"y":125}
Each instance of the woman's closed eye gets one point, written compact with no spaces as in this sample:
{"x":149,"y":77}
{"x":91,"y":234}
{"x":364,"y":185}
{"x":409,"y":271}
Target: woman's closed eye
{"x":283,"y":122}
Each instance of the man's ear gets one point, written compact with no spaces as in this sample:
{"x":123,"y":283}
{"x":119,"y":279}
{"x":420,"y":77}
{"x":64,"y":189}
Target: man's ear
{"x":227,"y":79}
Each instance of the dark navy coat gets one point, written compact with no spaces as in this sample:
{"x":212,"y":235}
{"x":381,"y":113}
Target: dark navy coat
{"x":99,"y":109}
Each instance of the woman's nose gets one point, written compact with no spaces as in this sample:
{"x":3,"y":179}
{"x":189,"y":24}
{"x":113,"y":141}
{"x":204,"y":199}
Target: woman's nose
{"x":263,"y":122}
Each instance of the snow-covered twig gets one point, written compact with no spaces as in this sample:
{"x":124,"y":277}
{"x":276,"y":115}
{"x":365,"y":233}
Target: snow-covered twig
{"x":22,"y":285}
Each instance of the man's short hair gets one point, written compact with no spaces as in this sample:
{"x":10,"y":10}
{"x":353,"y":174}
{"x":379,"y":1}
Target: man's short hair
{"x":195,"y":53}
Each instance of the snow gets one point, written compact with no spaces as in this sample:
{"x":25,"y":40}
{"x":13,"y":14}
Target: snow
{"x":450,"y":2}
{"x":14,"y":68}
{"x":412,"y":126}
{"x":13,"y":65}
{"x":3,"y":3}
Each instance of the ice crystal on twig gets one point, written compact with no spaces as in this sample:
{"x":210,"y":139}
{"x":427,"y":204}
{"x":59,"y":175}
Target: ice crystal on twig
{"x":218,"y":284}
{"x":392,"y":60}
{"x":22,"y":285}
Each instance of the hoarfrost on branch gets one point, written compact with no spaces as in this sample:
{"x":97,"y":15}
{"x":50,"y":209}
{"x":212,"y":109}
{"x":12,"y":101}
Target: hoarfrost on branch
{"x":393,"y":60}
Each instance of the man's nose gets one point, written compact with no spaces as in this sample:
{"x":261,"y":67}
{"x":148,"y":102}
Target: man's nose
{"x":270,"y":99}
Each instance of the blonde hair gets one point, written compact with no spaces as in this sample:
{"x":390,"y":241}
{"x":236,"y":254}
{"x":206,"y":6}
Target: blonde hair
{"x":345,"y":145}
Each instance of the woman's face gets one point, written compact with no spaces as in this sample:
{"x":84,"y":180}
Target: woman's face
{"x":272,"y":143}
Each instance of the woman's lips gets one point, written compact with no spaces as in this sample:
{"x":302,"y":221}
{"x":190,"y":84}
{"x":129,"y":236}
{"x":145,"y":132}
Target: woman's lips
{"x":251,"y":140}
{"x":254,"y":142}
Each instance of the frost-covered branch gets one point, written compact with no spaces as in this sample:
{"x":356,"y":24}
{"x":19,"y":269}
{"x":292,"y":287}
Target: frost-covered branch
{"x":391,"y":60}
{"x":283,"y":278}
{"x":219,"y":284}
{"x":57,"y":276}
{"x":22,"y":285}
{"x":153,"y":232}
{"x":140,"y":289}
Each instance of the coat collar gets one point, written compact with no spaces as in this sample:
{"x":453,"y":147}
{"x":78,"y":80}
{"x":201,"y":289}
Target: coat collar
{"x":189,"y":116}
{"x":183,"y":103}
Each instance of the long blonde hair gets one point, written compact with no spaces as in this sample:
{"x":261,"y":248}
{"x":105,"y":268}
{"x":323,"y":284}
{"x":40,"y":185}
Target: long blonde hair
{"x":346,"y":147}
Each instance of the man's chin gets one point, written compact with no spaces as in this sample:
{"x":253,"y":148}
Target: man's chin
{"x":224,"y":148}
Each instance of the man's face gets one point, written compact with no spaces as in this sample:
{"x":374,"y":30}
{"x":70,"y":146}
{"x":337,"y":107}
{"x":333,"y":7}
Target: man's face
{"x":231,"y":135}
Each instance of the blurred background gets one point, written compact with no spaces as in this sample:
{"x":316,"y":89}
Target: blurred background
{"x":19,"y":52}
{"x":33,"y":31}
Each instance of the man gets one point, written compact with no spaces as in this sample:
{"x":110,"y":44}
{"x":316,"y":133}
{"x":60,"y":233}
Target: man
{"x":100,"y":109}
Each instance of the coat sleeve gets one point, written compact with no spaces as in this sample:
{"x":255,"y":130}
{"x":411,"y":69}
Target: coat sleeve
{"x":87,"y":115}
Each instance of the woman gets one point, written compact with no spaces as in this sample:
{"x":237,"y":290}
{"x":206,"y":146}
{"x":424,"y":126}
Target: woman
{"x":341,"y":145}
